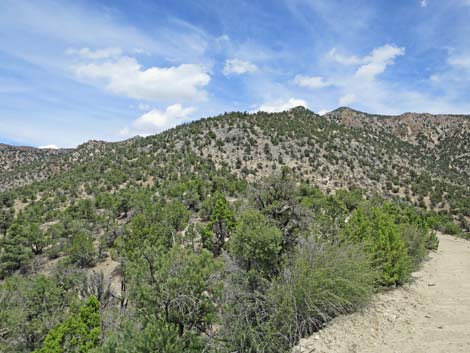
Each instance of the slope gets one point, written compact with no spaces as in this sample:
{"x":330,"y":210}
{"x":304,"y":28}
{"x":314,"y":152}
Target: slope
{"x":344,"y":149}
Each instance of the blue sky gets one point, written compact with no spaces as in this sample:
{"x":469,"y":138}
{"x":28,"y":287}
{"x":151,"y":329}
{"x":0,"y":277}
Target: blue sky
{"x":71,"y":71}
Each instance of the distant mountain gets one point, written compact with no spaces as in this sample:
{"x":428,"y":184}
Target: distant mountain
{"x":444,"y":137}
{"x":12,"y":157}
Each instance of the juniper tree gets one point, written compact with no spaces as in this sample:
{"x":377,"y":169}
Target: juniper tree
{"x":15,"y":250}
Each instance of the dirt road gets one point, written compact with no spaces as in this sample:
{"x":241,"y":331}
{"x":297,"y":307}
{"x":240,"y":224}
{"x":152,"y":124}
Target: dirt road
{"x":431,"y":315}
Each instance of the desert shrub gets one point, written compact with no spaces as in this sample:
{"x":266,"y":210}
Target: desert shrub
{"x":36,"y":238}
{"x":382,"y":240}
{"x":245,"y":314}
{"x":141,"y":233}
{"x":450,"y":227}
{"x":351,"y":199}
{"x":320,"y":280}
{"x":136,"y":337}
{"x":222,"y":222}
{"x":416,"y":243}
{"x":53,"y":252}
{"x":415,"y":228}
{"x":81,"y":250}
{"x":174,"y":215}
{"x":6,"y":219}
{"x":177,"y":289}
{"x":443,"y":223}
{"x":256,"y":244}
{"x":275,"y":197}
{"x":432,"y":241}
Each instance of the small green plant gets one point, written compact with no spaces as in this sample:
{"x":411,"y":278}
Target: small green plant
{"x":416,"y":243}
{"x":381,"y":238}
{"x":79,"y":333}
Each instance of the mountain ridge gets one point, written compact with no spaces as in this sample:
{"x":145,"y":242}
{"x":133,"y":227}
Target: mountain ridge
{"x":330,"y":115}
{"x":403,"y":156}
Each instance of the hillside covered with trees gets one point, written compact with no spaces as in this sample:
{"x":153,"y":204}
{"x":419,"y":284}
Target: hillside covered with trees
{"x":238,"y":233}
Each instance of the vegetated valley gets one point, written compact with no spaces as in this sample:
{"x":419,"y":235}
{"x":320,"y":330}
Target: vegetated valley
{"x":237,"y":233}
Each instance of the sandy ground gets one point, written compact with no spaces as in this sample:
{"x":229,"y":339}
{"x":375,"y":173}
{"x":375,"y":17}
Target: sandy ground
{"x":432,"y":315}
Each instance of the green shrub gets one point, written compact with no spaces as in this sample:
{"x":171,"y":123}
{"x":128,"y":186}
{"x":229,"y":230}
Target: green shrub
{"x":178,"y":288}
{"x":245,"y":314}
{"x":81,"y":250}
{"x":256,"y":244}
{"x":320,"y":280}
{"x":152,"y":338}
{"x":443,"y":223}
{"x":450,"y":228}
{"x":79,"y":333}
{"x":416,"y":243}
{"x":432,"y":241}
{"x":382,"y":240}
{"x":53,"y":252}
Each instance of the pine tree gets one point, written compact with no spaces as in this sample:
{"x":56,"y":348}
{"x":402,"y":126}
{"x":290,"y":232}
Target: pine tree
{"x":6,"y":218}
{"x":36,"y":238}
{"x":15,"y":250}
{"x":222,"y":223}
{"x":79,"y":333}
{"x":256,"y":244}
{"x":177,"y":288}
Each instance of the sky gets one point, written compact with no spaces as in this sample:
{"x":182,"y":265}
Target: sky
{"x":71,"y":71}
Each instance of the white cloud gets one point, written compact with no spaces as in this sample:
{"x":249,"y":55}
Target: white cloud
{"x":357,"y":80}
{"x":156,"y":120}
{"x":52,"y":147}
{"x":461,"y":62}
{"x":223,"y":38}
{"x":378,"y":60}
{"x":238,"y":67}
{"x":123,"y":75}
{"x":371,"y":65}
{"x":347,"y":99}
{"x":280,"y":106}
{"x":423,"y":3}
{"x":342,"y":59}
{"x":435,"y":78}
{"x":311,"y":81}
{"x":88,"y":53}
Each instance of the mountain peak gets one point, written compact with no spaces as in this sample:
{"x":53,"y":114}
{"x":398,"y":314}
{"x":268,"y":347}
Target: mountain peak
{"x":345,"y":110}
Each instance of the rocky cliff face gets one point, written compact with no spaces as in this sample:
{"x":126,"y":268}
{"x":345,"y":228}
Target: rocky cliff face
{"x":445,"y":138}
